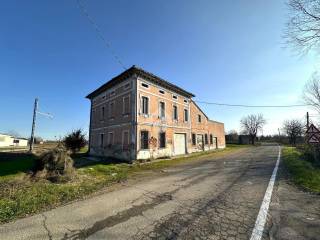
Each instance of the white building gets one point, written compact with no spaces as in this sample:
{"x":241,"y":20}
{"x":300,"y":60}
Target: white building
{"x":10,"y":141}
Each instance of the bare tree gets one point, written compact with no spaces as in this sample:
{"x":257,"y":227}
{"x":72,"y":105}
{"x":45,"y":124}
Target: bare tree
{"x":251,"y":124}
{"x":303,"y":27}
{"x":311,"y":92}
{"x":294,"y":129}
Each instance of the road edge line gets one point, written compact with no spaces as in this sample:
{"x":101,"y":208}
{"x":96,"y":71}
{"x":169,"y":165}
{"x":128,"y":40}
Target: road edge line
{"x":263,"y":212}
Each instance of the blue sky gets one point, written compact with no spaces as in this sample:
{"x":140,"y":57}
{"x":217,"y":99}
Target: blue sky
{"x":222,"y":51}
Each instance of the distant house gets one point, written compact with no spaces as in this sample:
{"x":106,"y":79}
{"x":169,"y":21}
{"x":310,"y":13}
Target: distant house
{"x":138,"y":115}
{"x":10,"y":141}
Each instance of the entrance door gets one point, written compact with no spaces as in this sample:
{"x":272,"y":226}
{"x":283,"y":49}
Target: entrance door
{"x":179,"y":143}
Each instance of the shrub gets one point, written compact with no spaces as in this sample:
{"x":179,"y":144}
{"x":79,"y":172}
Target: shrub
{"x":75,"y":140}
{"x":55,"y":165}
{"x":311,"y":154}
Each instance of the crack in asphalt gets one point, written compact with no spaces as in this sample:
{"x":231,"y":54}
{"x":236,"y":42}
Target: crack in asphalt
{"x":224,"y":215}
{"x":44,"y":224}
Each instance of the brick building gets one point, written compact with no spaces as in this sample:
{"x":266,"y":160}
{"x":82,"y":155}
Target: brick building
{"x":137,"y":115}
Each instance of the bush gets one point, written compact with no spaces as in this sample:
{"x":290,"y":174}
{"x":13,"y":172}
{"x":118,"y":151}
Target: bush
{"x":75,"y":140}
{"x":55,"y":165}
{"x":311,"y":154}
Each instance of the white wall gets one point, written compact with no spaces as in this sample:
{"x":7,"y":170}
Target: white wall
{"x":7,"y":141}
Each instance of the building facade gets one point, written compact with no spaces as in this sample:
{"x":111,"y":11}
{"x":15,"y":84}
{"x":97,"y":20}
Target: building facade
{"x":138,"y":115}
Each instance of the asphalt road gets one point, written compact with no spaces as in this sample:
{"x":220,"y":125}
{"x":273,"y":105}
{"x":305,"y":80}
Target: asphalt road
{"x":211,"y":199}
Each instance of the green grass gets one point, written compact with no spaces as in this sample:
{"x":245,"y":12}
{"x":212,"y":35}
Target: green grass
{"x":15,"y":164}
{"x":19,"y":196}
{"x":302,"y":172}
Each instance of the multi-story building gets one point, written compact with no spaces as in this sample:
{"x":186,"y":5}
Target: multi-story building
{"x":137,"y":115}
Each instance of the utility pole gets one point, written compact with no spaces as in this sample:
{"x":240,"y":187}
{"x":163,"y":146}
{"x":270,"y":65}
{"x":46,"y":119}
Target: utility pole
{"x":307,"y":119}
{"x":279,"y":135}
{"x":35,"y":109}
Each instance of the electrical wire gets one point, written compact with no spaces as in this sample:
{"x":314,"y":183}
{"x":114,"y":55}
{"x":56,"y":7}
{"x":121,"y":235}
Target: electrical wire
{"x":98,"y":31}
{"x":252,"y":106}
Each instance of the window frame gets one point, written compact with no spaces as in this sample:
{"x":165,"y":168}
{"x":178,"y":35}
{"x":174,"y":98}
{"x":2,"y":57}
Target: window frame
{"x":175,"y":113}
{"x":145,"y":85}
{"x":165,"y":140}
{"x":199,"y":118}
{"x":211,"y":138}
{"x":102,"y":113}
{"x":206,"y":142}
{"x":123,"y":132}
{"x":162,"y":112}
{"x":112,"y":109}
{"x":127,"y":86}
{"x":194,"y":139}
{"x":142,"y":106}
{"x":186,"y":115}
{"x":101,"y":140}
{"x":123,"y":105}
{"x":142,"y":146}
{"x":109,"y":142}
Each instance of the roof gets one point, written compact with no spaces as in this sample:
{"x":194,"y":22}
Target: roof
{"x":142,"y":73}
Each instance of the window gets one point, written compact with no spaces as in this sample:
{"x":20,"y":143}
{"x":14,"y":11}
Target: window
{"x":145,"y":85}
{"x":175,"y":97}
{"x":127,"y":86}
{"x":199,"y":118}
{"x":101,"y":139}
{"x":194,"y":142}
{"x":125,"y":139}
{"x":211,"y":139}
{"x":162,"y":140}
{"x":161,"y":91}
{"x":126,"y":105}
{"x":144,"y":140}
{"x":112,"y":93}
{"x":102,"y":112}
{"x":111,"y":110}
{"x":175,"y":112}
{"x":162,"y":110}
{"x":206,"y":138}
{"x":186,"y":115}
{"x":110,"y":139}
{"x":185,"y":101}
{"x":145,"y":105}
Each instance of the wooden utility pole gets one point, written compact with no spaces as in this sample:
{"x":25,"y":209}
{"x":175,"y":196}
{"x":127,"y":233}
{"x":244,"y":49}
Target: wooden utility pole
{"x":307,"y":120}
{"x":35,"y":109}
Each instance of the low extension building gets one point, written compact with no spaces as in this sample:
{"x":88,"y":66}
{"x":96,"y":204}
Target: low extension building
{"x":11,"y":141}
{"x":137,"y":115}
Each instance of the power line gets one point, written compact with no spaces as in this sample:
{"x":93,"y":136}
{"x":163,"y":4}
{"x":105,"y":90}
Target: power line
{"x":98,"y":31}
{"x":253,"y":106}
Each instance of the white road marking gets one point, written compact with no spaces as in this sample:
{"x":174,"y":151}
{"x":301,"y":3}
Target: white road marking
{"x":262,"y":216}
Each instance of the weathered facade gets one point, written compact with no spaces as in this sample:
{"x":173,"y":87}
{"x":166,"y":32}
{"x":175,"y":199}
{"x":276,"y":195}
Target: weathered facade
{"x":138,"y":115}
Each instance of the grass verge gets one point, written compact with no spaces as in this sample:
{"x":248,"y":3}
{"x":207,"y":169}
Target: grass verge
{"x":303,"y":173}
{"x":19,"y":196}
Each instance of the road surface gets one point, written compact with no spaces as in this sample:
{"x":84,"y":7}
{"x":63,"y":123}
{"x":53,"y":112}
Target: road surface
{"x":211,"y":199}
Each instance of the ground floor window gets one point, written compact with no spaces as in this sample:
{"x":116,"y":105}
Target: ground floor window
{"x":162,"y":140}
{"x":211,"y":139}
{"x":125,"y":139}
{"x":194,"y":141}
{"x":101,"y":139}
{"x":110,"y":139}
{"x":206,"y":138}
{"x":144,"y":140}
